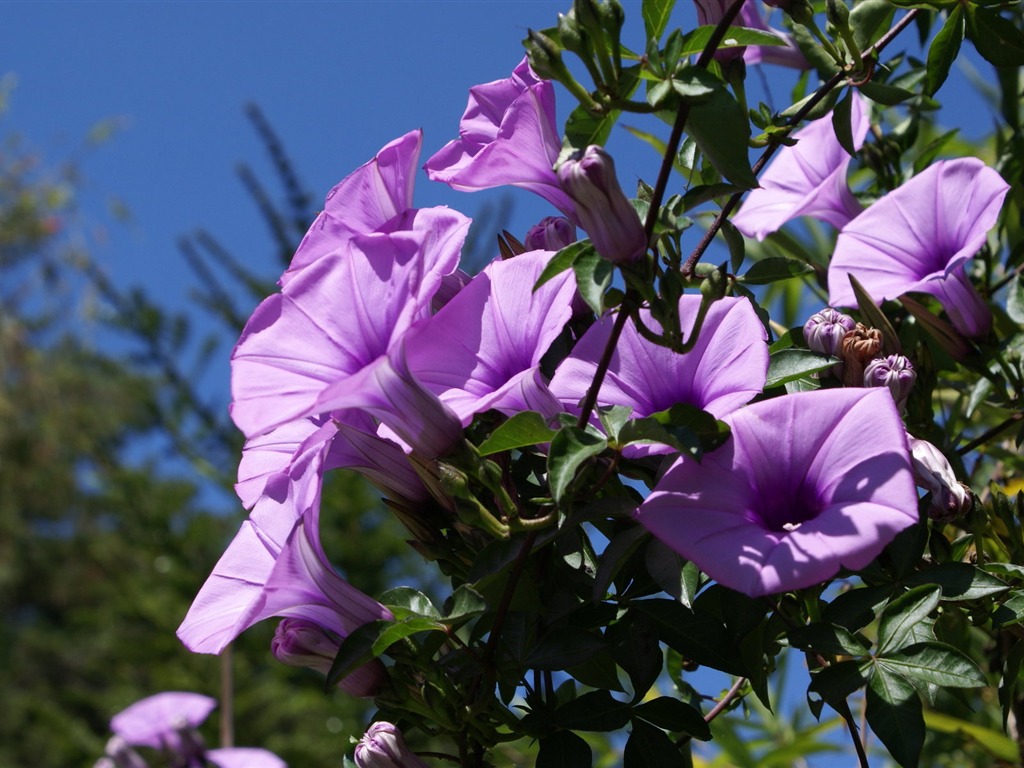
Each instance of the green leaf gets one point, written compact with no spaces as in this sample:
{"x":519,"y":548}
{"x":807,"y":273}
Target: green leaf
{"x":875,"y":318}
{"x":902,"y":614}
{"x":370,"y":640}
{"x":944,"y":49}
{"x":827,"y":638}
{"x":564,"y":647}
{"x":649,"y":431}
{"x":564,"y":260}
{"x":679,"y":578}
{"x":998,"y":40}
{"x":674,"y":715}
{"x":774,"y":268}
{"x":721,"y":130}
{"x":887,"y":95}
{"x":696,"y":40}
{"x":959,"y":581}
{"x":894,"y":714}
{"x":842,"y":122}
{"x":789,"y":364}
{"x":934,"y":663}
{"x":836,"y":682}
{"x":593,"y":278}
{"x":522,"y":429}
{"x":598,"y":671}
{"x":868,"y":18}
{"x":711,"y":431}
{"x":406,"y":601}
{"x":698,"y":636}
{"x":464,"y":603}
{"x":1015,"y":300}
{"x":650,"y":747}
{"x":584,"y":128}
{"x":1010,"y":611}
{"x":613,"y":418}
{"x":564,"y":749}
{"x":1000,"y":746}
{"x":656,"y":14}
{"x":570,"y":449}
{"x":593,"y":711}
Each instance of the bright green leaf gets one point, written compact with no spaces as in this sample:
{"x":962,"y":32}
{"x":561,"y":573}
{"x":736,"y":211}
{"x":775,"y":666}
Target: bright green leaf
{"x":944,"y":49}
{"x":721,"y":130}
{"x":570,"y":449}
{"x":934,"y":663}
{"x":789,"y":364}
{"x":774,"y":268}
{"x":656,"y":14}
{"x":406,"y":601}
{"x":522,"y":429}
{"x":593,"y":278}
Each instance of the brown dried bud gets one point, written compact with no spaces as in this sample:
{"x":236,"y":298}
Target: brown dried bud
{"x":860,"y":346}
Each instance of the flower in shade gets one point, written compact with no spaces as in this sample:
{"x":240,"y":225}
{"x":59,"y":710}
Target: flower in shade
{"x":806,"y":484}
{"x":611,"y":221}
{"x":508,"y":135}
{"x":552,"y":233}
{"x":483,"y":349}
{"x":919,"y":237}
{"x":383,"y":746}
{"x":950,"y":498}
{"x":725,"y":369}
{"x":807,"y":179}
{"x":894,"y":372}
{"x":244,"y":757}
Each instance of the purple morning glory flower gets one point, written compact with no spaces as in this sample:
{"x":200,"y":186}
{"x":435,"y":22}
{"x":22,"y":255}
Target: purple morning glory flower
{"x":918,"y":238}
{"x":807,"y":179}
{"x":362,"y":202}
{"x":508,"y":135}
{"x":806,"y":484}
{"x":724,"y":370}
{"x":788,"y":55}
{"x":155,"y":721}
{"x":244,"y":757}
{"x":483,"y":349}
{"x":383,"y":746}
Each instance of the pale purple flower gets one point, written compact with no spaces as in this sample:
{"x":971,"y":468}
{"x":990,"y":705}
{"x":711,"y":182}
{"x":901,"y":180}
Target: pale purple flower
{"x":383,"y":746}
{"x":807,"y":179}
{"x":483,"y":349}
{"x":155,"y":721}
{"x":611,"y":221}
{"x":244,"y":757}
{"x":919,"y":237}
{"x":552,"y":233}
{"x":950,"y":498}
{"x":725,"y":369}
{"x":363,"y":202}
{"x":894,"y":372}
{"x":508,"y":135}
{"x":788,"y":55}
{"x":805,"y":485}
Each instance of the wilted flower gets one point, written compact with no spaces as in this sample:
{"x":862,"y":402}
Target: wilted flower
{"x":551,"y":233}
{"x":806,"y":484}
{"x":858,"y":348}
{"x":918,"y":238}
{"x":894,"y":372}
{"x":603,"y":210}
{"x":382,"y":746}
{"x":950,"y":498}
{"x":508,"y":135}
{"x":807,"y":179}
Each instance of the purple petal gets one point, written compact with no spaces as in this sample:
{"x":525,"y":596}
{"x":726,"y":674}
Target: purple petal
{"x":808,"y":179}
{"x":372,"y":195}
{"x":806,"y":484}
{"x":508,"y":135}
{"x":244,"y":757}
{"x":152,"y":722}
{"x":785,"y":56}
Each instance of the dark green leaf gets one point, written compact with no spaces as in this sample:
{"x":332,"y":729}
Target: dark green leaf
{"x":894,"y":714}
{"x":570,"y":449}
{"x":959,"y":581}
{"x":1015,"y":300}
{"x":593,"y":711}
{"x":564,"y":749}
{"x":836,"y":682}
{"x":679,"y":578}
{"x":613,"y":418}
{"x":465,"y":603}
{"x":875,"y":318}
{"x":599,"y":671}
{"x":619,"y":550}
{"x":636,"y":649}
{"x":1011,"y":611}
{"x":650,"y":747}
{"x":564,"y":260}
{"x":736,"y":243}
{"x":944,"y":49}
{"x":711,"y":431}
{"x":888,"y":95}
{"x":868,"y":18}
{"x":522,"y":429}
{"x":593,"y":277}
{"x":827,"y":638}
{"x":564,"y":647}
{"x":702,"y":193}
{"x":656,"y":14}
{"x":650,"y":431}
{"x":789,"y":364}
{"x":842,"y":122}
{"x":696,"y":635}
{"x":695,"y":41}
{"x":774,"y":268}
{"x":584,"y":128}
{"x":674,"y":715}
{"x":371,"y":640}
{"x":934,"y":663}
{"x":721,"y":130}
{"x":406,"y":601}
{"x":999,"y":40}
{"x":902,"y":614}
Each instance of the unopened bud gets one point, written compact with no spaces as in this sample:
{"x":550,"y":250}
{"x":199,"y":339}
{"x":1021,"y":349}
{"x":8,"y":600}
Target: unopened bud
{"x":824,"y":331}
{"x":859,"y":347}
{"x":545,"y":56}
{"x":551,"y":233}
{"x":382,"y":746}
{"x":588,"y":177}
{"x":894,"y":372}
{"x":301,"y":643}
{"x":950,"y":498}
{"x":837,"y":13}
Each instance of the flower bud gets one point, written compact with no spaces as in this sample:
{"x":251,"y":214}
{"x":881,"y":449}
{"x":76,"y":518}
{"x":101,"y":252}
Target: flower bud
{"x":950,"y":498}
{"x":588,"y":177}
{"x":824,"y":331}
{"x":551,"y":233}
{"x":301,"y":643}
{"x":382,"y":746}
{"x":894,"y":372}
{"x":858,"y":348}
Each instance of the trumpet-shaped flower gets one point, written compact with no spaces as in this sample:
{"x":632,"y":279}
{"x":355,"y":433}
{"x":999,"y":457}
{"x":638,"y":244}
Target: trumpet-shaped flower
{"x":807,"y":179}
{"x":725,"y":368}
{"x":806,"y":484}
{"x":508,"y":135}
{"x":155,"y":721}
{"x":483,"y":349}
{"x":918,"y":238}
